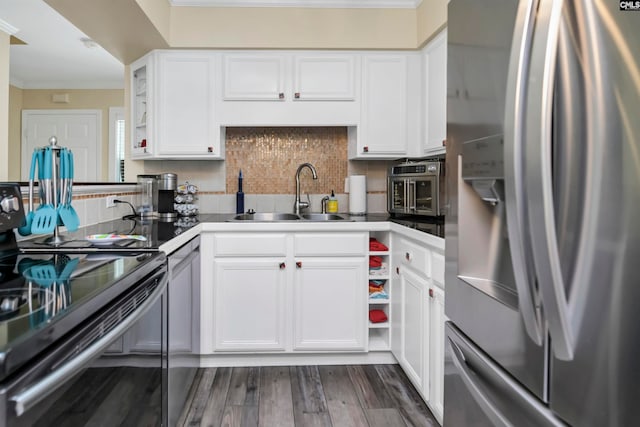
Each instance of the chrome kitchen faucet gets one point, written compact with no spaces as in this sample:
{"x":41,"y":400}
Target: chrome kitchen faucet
{"x":298,"y":205}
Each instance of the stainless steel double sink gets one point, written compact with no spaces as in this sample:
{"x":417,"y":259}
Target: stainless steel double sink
{"x":283,"y":216}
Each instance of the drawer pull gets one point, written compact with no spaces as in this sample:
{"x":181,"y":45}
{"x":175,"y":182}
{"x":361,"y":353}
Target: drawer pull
{"x":430,"y":293}
{"x":298,"y":264}
{"x":407,"y":255}
{"x":283,"y":266}
{"x":397,"y":270}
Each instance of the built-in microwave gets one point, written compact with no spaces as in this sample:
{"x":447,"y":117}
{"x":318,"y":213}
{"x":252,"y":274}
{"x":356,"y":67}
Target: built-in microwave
{"x":416,"y":188}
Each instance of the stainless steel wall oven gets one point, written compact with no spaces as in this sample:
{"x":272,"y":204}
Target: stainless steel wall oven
{"x":416,"y":188}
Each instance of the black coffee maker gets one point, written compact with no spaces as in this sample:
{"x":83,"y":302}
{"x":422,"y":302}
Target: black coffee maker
{"x":167,"y":185}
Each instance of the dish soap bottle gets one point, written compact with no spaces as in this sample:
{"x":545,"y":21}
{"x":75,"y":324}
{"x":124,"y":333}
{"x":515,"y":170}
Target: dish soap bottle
{"x":332,"y":204}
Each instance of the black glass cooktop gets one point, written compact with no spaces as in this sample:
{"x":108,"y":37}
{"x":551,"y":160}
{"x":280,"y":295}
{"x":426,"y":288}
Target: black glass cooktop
{"x":155,"y":232}
{"x":45,"y":296}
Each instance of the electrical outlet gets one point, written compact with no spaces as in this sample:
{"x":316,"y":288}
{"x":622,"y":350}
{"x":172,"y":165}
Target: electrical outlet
{"x":110,"y":201}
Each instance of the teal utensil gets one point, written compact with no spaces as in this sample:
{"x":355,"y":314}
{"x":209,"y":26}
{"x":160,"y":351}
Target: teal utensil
{"x":66,"y":212}
{"x":45,"y":218}
{"x":25,"y":230}
{"x":70,"y":216}
{"x":43,"y":274}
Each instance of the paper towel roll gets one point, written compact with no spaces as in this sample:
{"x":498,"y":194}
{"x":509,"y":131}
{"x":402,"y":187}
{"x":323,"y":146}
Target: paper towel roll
{"x":357,"y":190}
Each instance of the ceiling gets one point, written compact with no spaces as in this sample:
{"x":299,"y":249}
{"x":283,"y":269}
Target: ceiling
{"x":55,"y":56}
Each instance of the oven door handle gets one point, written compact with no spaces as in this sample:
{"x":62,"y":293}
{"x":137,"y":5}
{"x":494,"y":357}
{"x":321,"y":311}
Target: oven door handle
{"x":411,"y":200}
{"x":31,"y":396}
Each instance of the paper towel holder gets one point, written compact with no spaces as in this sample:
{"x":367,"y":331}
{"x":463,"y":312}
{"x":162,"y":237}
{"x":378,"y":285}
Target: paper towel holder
{"x":356,"y":187}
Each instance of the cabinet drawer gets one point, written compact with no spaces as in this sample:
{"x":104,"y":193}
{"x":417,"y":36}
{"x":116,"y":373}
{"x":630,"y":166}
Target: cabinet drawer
{"x":330,"y":244}
{"x":250,"y":244}
{"x":414,"y":256}
{"x":437,"y":267}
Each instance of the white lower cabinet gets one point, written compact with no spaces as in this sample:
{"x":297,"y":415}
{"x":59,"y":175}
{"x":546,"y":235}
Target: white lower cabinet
{"x":415,"y":329}
{"x":249,"y":304}
{"x":418,"y":314}
{"x":436,"y":351}
{"x":292,"y":292}
{"x":329,"y":303}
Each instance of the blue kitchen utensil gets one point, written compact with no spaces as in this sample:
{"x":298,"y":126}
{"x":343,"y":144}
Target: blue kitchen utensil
{"x":46,"y":216}
{"x":73,"y":218}
{"x":66,"y":212}
{"x":43,"y":274}
{"x":25,"y":230}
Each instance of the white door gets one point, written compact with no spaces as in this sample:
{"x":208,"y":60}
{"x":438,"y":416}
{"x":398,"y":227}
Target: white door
{"x":330,"y":300}
{"x":414,"y":322}
{"x":253,"y":77}
{"x":436,"y":352}
{"x":249,"y":295}
{"x":78,"y":130}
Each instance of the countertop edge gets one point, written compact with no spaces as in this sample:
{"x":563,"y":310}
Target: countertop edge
{"x":210,"y":227}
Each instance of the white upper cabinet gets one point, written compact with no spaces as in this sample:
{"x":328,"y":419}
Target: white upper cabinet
{"x":282,"y":88}
{"x":141,"y":122}
{"x":389,"y":122}
{"x":435,"y":95}
{"x":173,"y":106}
{"x":324,"y":77}
{"x":186,"y":126}
{"x":253,"y":77}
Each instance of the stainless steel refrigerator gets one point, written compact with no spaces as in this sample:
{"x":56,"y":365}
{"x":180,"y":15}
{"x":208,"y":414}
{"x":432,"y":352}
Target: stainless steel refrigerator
{"x":543,"y":223}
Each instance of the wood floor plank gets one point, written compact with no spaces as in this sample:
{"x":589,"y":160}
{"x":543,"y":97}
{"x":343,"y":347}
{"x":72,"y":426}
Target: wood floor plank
{"x":212,"y":414}
{"x":182,"y":420}
{"x":309,"y":403}
{"x":385,"y":417}
{"x":275,"y":403}
{"x":411,"y":406}
{"x":244,"y":389}
{"x":371,"y":392}
{"x":201,"y":398}
{"x":342,"y":399}
{"x":240,"y":416}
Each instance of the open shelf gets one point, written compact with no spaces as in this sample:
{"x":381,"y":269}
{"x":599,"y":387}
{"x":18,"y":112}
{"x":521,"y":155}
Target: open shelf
{"x":379,"y":340}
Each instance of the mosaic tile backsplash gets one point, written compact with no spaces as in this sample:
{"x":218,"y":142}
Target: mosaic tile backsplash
{"x":269,"y":158}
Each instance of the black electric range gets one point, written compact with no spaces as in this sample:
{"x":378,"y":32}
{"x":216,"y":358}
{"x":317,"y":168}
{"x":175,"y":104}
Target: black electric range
{"x":58,"y":304}
{"x":155,"y":232}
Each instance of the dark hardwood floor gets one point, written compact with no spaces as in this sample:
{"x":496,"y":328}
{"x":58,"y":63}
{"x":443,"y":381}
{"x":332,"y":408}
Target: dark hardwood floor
{"x":282,"y":396}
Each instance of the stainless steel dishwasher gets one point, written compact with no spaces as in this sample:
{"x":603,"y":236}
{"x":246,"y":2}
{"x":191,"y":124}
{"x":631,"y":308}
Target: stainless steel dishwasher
{"x":184,"y":325}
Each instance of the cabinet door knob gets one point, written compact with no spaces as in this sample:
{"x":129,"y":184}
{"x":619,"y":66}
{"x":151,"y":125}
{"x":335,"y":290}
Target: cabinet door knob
{"x":397,"y":270}
{"x":282,"y":266}
{"x":444,"y":142}
{"x":281,"y":95}
{"x":296,"y":95}
{"x":298,"y":264}
{"x":430,"y":293}
{"x":209,"y":149}
{"x":365,"y":148}
{"x":407,"y":256}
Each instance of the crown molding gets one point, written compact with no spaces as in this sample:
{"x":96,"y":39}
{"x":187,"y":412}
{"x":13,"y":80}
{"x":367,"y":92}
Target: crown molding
{"x":7,"y":28}
{"x":336,"y":4}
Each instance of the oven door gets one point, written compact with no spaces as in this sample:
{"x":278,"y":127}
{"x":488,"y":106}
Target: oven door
{"x":423,"y":195}
{"x":397,"y":200}
{"x":110,"y":368}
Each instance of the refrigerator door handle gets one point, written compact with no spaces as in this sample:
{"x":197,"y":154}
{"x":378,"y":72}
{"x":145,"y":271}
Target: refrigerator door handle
{"x":499,"y":396}
{"x":514,"y":162}
{"x":481,"y":398}
{"x":539,"y":172}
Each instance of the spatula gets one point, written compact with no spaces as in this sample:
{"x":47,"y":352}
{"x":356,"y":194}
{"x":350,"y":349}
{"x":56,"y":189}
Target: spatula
{"x":43,"y":274}
{"x":65,"y":210}
{"x":25,"y":230}
{"x":74,"y":220}
{"x":45,"y":218}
